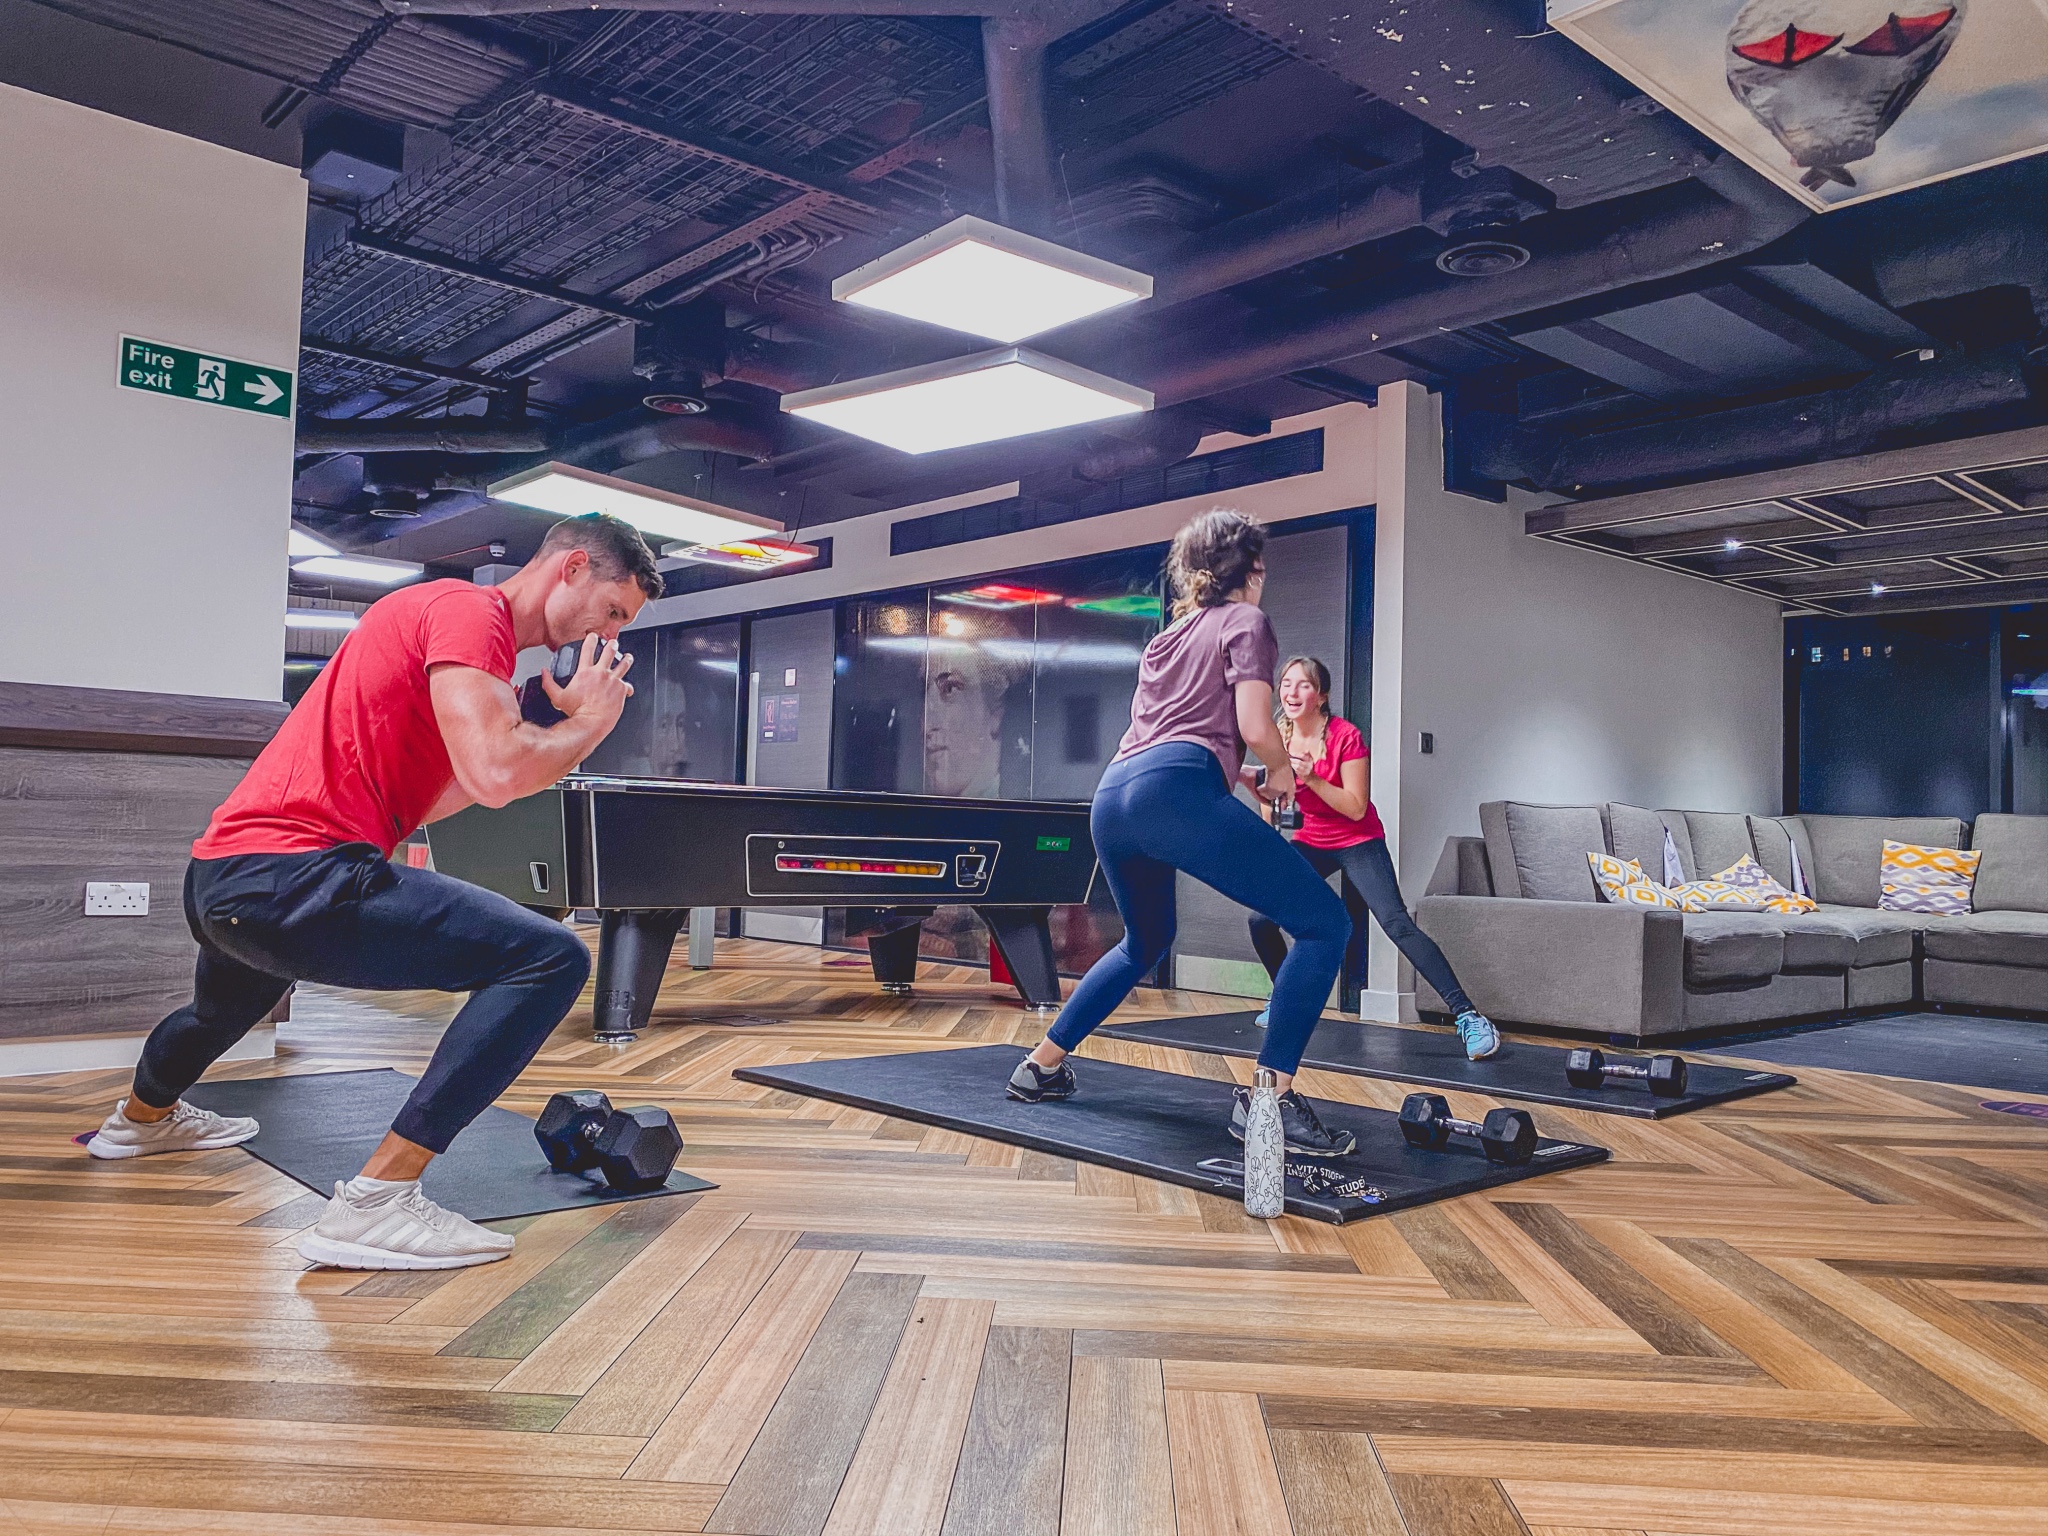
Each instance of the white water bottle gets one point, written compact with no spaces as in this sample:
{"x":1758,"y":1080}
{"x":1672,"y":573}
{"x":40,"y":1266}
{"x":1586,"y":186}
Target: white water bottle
{"x":1265,"y":1150}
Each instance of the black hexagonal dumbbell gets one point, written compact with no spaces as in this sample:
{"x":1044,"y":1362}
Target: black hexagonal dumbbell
{"x":633,"y":1148}
{"x":1664,"y":1075}
{"x":1507,"y":1136}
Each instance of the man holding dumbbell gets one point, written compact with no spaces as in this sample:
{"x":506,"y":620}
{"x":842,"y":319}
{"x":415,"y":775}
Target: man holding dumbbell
{"x":413,"y":720}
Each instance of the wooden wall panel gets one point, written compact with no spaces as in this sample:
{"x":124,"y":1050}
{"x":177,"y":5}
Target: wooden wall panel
{"x":68,"y":817}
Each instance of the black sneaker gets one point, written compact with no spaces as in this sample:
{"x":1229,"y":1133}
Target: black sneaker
{"x":1031,"y":1082}
{"x":1306,"y":1135}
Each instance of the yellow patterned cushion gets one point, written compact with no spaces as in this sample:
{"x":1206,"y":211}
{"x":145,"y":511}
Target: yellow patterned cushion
{"x":1922,"y":879}
{"x":1746,"y":874}
{"x":1623,"y":882}
{"x":1716,"y":895}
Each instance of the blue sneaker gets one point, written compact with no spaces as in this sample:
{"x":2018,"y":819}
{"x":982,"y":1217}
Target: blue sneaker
{"x":1265,"y":1017}
{"x":1476,"y":1030}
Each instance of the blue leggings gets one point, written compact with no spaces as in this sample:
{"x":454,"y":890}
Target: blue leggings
{"x":1167,"y":809}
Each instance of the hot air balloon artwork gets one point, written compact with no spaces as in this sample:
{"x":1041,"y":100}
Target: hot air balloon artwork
{"x":1836,"y":100}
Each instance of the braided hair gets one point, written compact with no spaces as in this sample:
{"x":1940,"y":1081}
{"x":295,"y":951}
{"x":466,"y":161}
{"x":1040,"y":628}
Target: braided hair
{"x":1213,"y":557}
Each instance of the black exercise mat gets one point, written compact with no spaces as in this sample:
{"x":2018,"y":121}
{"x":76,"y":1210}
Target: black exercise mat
{"x":1155,"y":1124}
{"x":1434,"y":1058}
{"x":320,"y":1127}
{"x":2009,"y":1055}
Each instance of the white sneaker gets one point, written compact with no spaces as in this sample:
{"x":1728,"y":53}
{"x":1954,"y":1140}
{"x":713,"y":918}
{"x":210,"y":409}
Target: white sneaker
{"x":187,"y":1128}
{"x":398,"y":1229}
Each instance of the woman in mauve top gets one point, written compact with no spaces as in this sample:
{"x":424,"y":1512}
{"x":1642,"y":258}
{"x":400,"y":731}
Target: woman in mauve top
{"x":1205,"y":693}
{"x":1340,"y":831}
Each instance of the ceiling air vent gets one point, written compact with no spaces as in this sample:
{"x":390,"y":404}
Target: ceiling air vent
{"x":1481,"y":258}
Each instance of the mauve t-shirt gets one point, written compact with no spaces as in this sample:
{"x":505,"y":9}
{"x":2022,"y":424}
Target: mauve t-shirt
{"x":1188,"y":679}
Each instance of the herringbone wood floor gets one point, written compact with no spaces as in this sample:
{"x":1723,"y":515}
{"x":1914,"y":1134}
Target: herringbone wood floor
{"x":1819,"y":1311}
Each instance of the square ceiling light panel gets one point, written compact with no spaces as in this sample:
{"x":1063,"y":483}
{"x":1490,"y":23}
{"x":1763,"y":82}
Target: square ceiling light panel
{"x":982,"y":278}
{"x":983,"y":398}
{"x":1837,"y":101}
{"x":571,"y":492}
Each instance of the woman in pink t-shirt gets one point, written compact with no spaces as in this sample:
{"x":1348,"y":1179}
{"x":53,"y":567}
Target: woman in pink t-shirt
{"x":1341,"y":832}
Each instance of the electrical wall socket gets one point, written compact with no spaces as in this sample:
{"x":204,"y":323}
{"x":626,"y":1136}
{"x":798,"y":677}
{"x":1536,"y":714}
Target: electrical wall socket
{"x":117,"y":898}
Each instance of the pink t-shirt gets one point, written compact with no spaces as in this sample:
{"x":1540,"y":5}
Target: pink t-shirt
{"x":1188,"y":679}
{"x":1322,"y":827}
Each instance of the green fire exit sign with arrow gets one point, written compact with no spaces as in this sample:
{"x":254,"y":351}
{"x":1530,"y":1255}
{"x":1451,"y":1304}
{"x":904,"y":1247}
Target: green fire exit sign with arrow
{"x":190,"y":375}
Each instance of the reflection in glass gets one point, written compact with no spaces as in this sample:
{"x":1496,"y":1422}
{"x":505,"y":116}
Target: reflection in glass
{"x":1012,"y":687}
{"x":682,"y":721}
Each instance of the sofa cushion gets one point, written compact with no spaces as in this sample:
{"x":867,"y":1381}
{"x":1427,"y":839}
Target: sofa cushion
{"x":1812,"y":943}
{"x":1745,"y":874}
{"x":1719,"y":838}
{"x":1634,"y":833}
{"x":1539,"y":851}
{"x":1732,"y":948}
{"x":1882,"y":938}
{"x":1772,"y":841}
{"x":1990,"y":938}
{"x":1848,"y":850}
{"x":2014,"y":874}
{"x":1934,"y":880}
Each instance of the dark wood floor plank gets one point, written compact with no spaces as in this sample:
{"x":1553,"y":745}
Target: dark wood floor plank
{"x":1460,"y":1268}
{"x":1878,"y":1365}
{"x":1455,"y":1506}
{"x":310,"y":1402}
{"x":793,"y":1470}
{"x":515,"y":1327}
{"x":1662,"y":1323}
{"x":1374,"y":1355}
{"x":1334,"y":1485}
{"x":1650,"y":1427}
{"x":1082,"y":1253}
{"x":1008,"y":1479}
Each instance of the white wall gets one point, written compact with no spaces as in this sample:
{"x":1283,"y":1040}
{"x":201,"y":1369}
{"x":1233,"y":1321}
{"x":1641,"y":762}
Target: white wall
{"x":145,"y":536}
{"x":1545,"y":673}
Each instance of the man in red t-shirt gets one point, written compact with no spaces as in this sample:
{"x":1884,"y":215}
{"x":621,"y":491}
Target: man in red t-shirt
{"x":413,"y":719}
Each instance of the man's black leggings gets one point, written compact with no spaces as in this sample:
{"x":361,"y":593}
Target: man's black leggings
{"x":348,"y":917}
{"x":1369,"y":884}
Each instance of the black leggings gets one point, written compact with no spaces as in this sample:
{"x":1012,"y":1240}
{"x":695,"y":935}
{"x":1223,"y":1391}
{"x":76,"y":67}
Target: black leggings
{"x":348,"y":917}
{"x":1369,"y":885}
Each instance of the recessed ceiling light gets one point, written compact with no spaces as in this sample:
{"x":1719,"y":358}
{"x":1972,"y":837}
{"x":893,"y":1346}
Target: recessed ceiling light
{"x":983,"y":398}
{"x":370,"y":568}
{"x":1731,"y":545}
{"x":748,"y":554}
{"x":304,"y":545}
{"x":319,"y":618}
{"x":1877,"y":589}
{"x":571,"y":492}
{"x":988,"y":280}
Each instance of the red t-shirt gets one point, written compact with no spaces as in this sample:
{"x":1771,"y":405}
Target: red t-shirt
{"x":361,"y":760}
{"x":1322,"y":827}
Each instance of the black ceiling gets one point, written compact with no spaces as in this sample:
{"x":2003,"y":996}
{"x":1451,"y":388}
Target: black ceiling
{"x":528,"y":217}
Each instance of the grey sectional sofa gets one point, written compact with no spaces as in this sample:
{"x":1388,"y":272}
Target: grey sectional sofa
{"x":1518,"y":914}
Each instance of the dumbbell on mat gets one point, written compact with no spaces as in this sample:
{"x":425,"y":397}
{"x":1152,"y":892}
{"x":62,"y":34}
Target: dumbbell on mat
{"x":1507,"y":1135}
{"x":633,"y":1148}
{"x":1665,"y":1075}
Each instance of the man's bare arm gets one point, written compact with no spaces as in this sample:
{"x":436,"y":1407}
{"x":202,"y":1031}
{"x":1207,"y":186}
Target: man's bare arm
{"x":499,"y":757}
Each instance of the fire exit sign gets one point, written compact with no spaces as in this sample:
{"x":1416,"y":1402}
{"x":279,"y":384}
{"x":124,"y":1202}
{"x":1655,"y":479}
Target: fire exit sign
{"x":188,"y":375}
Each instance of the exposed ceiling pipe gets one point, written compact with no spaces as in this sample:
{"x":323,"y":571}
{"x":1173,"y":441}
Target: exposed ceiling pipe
{"x":1982,"y":232}
{"x":443,"y":435}
{"x":727,"y":427}
{"x":1159,"y":438}
{"x":1833,"y":425}
{"x":1656,"y":234}
{"x":1306,"y":227}
{"x":1013,"y":64}
{"x":1490,"y":74}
